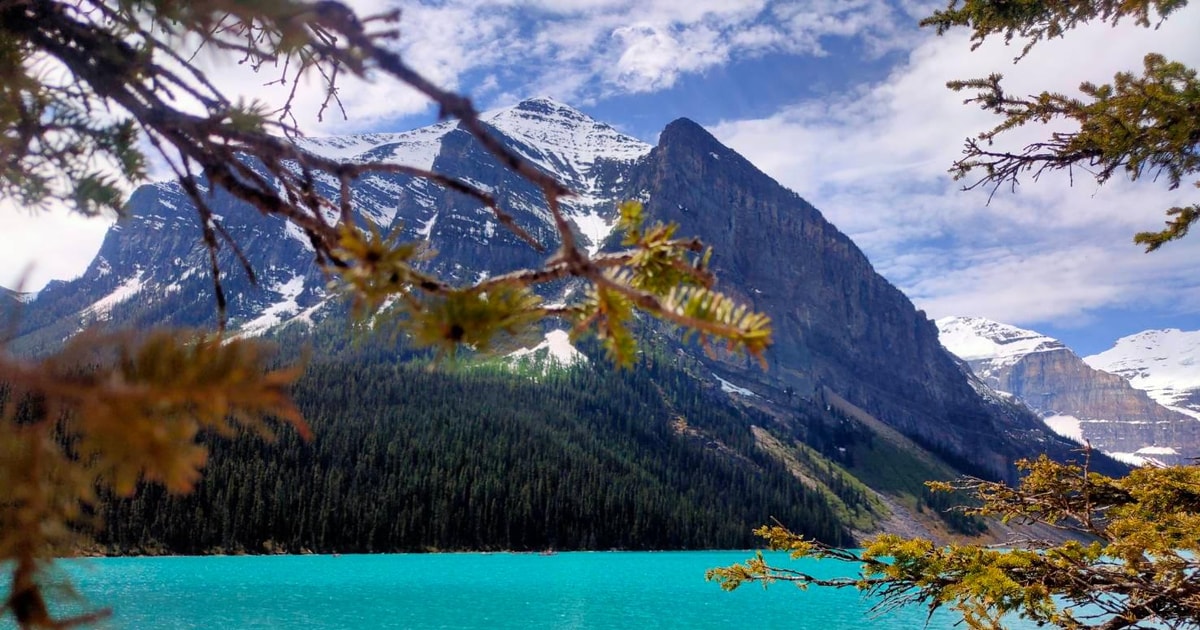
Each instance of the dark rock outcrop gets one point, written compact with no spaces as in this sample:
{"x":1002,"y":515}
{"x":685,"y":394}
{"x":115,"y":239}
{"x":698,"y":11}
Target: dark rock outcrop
{"x":838,"y":323}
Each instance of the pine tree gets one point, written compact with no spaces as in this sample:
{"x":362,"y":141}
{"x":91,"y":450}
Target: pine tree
{"x":1146,"y":124}
{"x":112,"y":411}
{"x":1135,"y":562}
{"x":1132,"y":560}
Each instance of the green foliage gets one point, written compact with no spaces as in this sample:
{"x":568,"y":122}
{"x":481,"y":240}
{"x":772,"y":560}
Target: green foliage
{"x":407,"y":458}
{"x":84,"y":85}
{"x":1037,"y":20}
{"x":107,"y":413}
{"x":1134,"y":565}
{"x":669,"y":279}
{"x":1143,"y":124}
{"x":381,"y":267}
{"x":477,"y":319}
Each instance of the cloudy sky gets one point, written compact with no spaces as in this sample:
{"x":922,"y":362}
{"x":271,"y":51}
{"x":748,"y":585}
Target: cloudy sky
{"x":841,"y":100}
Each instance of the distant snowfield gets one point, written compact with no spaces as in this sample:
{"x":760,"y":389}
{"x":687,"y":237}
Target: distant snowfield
{"x":730,"y":388}
{"x":557,"y":345}
{"x":102,"y":307}
{"x":1066,"y":426}
{"x":1163,"y":363}
{"x":977,"y":338}
{"x":274,"y":314}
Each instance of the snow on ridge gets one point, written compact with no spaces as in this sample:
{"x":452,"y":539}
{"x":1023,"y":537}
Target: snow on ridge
{"x":1069,"y":427}
{"x":566,"y":133}
{"x":102,"y":307}
{"x":417,"y":147}
{"x":273,"y":315}
{"x":569,"y":144}
{"x":1163,"y":363}
{"x":342,"y":147}
{"x":978,"y":338}
{"x":557,"y":343}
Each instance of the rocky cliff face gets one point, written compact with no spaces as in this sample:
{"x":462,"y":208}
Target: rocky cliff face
{"x":1075,"y":399}
{"x":839,"y":326}
{"x":152,"y":269}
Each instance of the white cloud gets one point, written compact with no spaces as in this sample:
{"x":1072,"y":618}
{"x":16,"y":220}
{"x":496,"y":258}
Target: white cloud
{"x":580,"y":50}
{"x":874,"y":160}
{"x":653,"y":57}
{"x":52,"y":244}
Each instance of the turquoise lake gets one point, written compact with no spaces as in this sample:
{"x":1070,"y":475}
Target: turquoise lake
{"x":567,"y":590}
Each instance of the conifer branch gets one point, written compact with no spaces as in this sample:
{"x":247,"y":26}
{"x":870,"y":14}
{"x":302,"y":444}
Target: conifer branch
{"x":1146,"y":125}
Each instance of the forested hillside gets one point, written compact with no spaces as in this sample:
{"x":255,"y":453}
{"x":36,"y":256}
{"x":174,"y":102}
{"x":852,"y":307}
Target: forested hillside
{"x":411,"y":458}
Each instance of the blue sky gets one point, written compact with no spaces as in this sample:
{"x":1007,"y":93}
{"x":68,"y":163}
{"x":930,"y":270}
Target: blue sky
{"x":841,"y":100}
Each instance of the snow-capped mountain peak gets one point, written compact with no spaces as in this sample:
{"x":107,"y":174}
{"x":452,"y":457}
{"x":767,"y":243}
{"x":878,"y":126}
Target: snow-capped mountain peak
{"x":417,"y":148}
{"x":556,"y":129}
{"x":1090,"y":400}
{"x":1164,"y":363}
{"x":587,"y":155}
{"x":561,"y":131}
{"x":978,"y":338}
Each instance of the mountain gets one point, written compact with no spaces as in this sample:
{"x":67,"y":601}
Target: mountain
{"x":411,"y":459}
{"x":857,"y":380}
{"x":1074,"y":396}
{"x":153,"y":268}
{"x":839,"y":326}
{"x":1163,"y":363}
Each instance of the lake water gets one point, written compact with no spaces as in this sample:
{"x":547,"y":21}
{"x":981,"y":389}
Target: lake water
{"x":567,"y":590}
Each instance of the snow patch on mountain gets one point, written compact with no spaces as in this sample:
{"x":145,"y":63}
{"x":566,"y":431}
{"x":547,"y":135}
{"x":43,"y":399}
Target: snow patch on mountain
{"x":564,"y":136}
{"x":730,"y":388}
{"x":274,"y":314}
{"x":1133,"y":459}
{"x":978,"y":338}
{"x":306,"y":316}
{"x":427,"y":229}
{"x":1163,"y":363}
{"x":557,"y":347}
{"x":103,"y":307}
{"x":1145,"y":456}
{"x":593,"y":226}
{"x":296,"y":233}
{"x":1069,"y":427}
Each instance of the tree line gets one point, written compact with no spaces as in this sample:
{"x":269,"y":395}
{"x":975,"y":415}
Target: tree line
{"x":406,"y":458}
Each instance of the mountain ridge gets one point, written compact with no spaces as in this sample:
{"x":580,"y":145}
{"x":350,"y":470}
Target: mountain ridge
{"x":850,"y":349}
{"x":1073,"y":396}
{"x":1164,"y":363}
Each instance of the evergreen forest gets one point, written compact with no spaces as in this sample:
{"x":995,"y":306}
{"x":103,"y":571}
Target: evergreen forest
{"x":409,"y":457}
